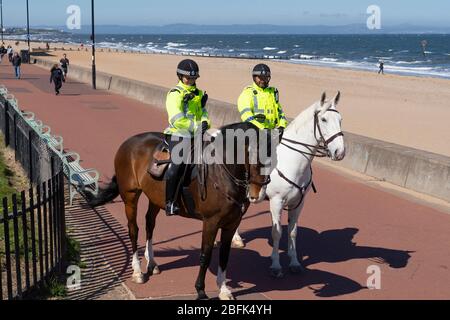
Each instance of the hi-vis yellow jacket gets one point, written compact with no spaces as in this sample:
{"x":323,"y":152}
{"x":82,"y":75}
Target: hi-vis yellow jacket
{"x":256,"y":101}
{"x":184,"y":107}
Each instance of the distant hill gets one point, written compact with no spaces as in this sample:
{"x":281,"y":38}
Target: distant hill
{"x":252,"y":29}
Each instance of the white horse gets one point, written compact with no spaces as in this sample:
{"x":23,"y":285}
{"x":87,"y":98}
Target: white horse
{"x":316,"y":132}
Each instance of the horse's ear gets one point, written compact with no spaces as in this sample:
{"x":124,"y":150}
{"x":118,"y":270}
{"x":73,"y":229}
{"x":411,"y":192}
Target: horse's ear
{"x":322,"y":100}
{"x":337,"y":99}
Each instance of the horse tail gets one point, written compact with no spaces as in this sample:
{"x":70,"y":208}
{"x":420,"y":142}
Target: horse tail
{"x":105,"y":195}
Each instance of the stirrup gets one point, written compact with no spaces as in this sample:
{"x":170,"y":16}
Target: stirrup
{"x":172,"y":209}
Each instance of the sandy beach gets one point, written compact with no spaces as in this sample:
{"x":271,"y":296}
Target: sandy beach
{"x":406,"y":110}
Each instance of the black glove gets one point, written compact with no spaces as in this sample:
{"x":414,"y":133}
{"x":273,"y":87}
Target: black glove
{"x":281,"y":132}
{"x":204,"y":99}
{"x":260,"y":118}
{"x":204,"y":127}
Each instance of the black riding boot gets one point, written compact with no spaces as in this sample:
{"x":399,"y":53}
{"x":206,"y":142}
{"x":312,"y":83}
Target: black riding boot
{"x":172,"y":182}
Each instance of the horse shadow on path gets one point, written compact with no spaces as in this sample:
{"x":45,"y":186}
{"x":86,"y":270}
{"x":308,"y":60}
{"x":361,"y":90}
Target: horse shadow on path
{"x":331,"y":246}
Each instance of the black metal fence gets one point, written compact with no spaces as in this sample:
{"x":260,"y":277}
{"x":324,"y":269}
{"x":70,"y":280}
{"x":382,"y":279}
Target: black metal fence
{"x":32,"y":238}
{"x":39,"y":161}
{"x":32,"y":224}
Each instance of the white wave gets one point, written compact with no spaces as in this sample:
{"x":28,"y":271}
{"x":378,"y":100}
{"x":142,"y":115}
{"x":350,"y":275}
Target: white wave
{"x":269,"y":49}
{"x":175,"y":44}
{"x":329,"y":59}
{"x":367,"y":66}
{"x":408,"y":62}
{"x":428,"y":52}
{"x":306,"y":56}
{"x":247,"y":42}
{"x":281,"y":52}
{"x":231,"y":50}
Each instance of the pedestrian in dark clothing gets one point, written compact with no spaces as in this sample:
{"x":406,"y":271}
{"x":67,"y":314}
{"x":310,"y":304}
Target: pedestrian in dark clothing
{"x":65,"y":64}
{"x":381,"y":68}
{"x":2,"y":52}
{"x":16,"y":62}
{"x":57,"y":77}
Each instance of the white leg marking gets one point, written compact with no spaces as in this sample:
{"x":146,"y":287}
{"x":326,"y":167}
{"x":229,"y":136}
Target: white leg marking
{"x":137,"y":277}
{"x":152,"y":266}
{"x":237,"y":241}
{"x":225,"y":292}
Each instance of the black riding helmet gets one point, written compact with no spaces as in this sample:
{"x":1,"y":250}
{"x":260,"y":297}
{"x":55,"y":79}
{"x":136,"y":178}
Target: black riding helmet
{"x":261,"y":70}
{"x":188,"y":68}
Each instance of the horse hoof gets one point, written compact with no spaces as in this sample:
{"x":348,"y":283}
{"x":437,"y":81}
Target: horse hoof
{"x":138,"y":278}
{"x":238,"y":244}
{"x":276,"y":273}
{"x":202,"y":296}
{"x":226,"y":296}
{"x":297,"y":269}
{"x":153,"y":270}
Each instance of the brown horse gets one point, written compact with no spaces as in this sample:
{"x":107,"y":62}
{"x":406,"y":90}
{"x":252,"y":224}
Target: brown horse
{"x":233,"y":186}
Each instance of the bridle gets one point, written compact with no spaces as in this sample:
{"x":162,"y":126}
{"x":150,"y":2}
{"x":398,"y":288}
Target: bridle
{"x":322,"y":149}
{"x":240,"y":183}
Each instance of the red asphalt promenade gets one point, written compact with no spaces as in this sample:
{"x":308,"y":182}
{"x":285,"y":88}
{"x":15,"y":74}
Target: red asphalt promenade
{"x":345,"y":228}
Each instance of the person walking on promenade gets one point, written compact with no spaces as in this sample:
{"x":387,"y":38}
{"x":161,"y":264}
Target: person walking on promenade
{"x":259,"y":103}
{"x":57,"y":77}
{"x":10,"y":52}
{"x":2,"y":52}
{"x":381,"y":68}
{"x":187,"y":113}
{"x":65,"y":64}
{"x":16,"y":62}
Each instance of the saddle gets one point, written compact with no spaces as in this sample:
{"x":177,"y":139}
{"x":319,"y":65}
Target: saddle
{"x":161,"y":160}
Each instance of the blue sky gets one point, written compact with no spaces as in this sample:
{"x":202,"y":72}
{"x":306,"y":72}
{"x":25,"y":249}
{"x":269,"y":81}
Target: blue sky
{"x":281,"y":12}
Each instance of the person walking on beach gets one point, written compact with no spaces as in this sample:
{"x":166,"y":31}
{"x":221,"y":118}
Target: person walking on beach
{"x":259,"y":103}
{"x":185,"y":106}
{"x":381,"y":68}
{"x":57,"y":77}
{"x":16,"y":62}
{"x":65,"y":64}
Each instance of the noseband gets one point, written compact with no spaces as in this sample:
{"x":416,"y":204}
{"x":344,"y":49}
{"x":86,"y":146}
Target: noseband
{"x":323,"y":144}
{"x":322,"y":149}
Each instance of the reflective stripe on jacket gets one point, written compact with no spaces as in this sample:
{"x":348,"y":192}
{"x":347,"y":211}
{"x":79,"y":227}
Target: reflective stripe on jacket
{"x":256,"y":101}
{"x":184,"y":108}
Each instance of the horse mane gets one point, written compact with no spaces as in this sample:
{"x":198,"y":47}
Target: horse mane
{"x":305,"y":116}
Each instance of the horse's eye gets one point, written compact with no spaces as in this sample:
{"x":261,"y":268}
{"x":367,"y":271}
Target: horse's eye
{"x":324,"y":120}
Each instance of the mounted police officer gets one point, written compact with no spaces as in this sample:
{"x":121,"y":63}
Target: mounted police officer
{"x":259,"y":103}
{"x":185,"y":106}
